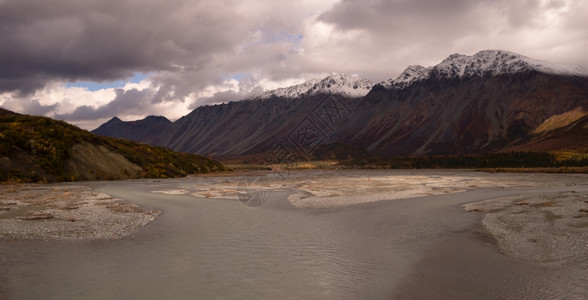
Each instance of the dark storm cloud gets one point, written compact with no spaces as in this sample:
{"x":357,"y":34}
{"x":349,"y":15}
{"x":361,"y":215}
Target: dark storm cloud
{"x":126,"y":102}
{"x":401,"y":17}
{"x":99,"y":40}
{"x":427,"y":17}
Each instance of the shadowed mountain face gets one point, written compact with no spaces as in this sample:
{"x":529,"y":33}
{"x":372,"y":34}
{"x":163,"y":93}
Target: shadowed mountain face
{"x":492,"y":101}
{"x":145,"y":131}
{"x":296,"y":126}
{"x":460,"y":116}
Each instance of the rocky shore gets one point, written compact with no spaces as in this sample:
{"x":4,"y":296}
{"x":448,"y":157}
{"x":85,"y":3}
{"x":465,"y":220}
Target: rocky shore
{"x":67,"y":211}
{"x":544,"y":228}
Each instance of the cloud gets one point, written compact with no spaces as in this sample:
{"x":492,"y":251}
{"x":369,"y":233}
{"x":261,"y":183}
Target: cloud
{"x":404,"y":18}
{"x":402,"y":32}
{"x":126,"y":102}
{"x":218,"y":97}
{"x":30,"y":106}
{"x":96,"y":40}
{"x":230,"y":90}
{"x":102,"y":40}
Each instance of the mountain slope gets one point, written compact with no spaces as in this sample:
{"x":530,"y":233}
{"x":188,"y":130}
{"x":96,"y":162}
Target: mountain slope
{"x":41,"y":149}
{"x":574,"y":135}
{"x":256,"y":125}
{"x":144,"y":131}
{"x":460,"y":115}
{"x":487,"y":102}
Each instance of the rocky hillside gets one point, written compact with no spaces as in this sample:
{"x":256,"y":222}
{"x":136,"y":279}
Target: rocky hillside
{"x":574,"y":136}
{"x":39,"y":149}
{"x":457,"y":115}
{"x":491,"y":101}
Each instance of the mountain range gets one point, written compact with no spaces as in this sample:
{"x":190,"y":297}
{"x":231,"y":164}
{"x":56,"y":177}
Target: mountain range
{"x":489,"y":102}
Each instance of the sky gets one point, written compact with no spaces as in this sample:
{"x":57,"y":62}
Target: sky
{"x":87,"y":61}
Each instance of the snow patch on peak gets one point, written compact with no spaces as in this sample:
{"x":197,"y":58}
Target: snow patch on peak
{"x":483,"y":63}
{"x":487,"y":62}
{"x":454,"y":57}
{"x":342,"y":84}
{"x":551,"y":68}
{"x":410,"y":75}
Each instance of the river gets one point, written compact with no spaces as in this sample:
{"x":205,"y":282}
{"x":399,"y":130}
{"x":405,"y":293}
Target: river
{"x":208,"y":248}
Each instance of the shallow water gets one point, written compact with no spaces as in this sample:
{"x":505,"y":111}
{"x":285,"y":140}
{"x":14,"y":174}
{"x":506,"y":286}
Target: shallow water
{"x":203,"y":248}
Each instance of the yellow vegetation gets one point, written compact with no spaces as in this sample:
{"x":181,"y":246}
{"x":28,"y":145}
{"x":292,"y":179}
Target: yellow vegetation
{"x":561,"y":120}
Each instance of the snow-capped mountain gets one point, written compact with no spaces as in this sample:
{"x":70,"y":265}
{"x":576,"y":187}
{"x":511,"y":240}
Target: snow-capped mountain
{"x":341,"y":84}
{"x":483,"y":63}
{"x":421,"y":113}
{"x":411,"y":74}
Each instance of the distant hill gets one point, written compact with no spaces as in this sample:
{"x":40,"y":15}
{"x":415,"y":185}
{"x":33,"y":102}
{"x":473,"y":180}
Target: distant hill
{"x":489,"y":102}
{"x":40,"y":149}
{"x":145,"y":131}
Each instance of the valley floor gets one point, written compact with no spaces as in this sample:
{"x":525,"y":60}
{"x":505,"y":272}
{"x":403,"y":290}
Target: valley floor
{"x":338,"y":234}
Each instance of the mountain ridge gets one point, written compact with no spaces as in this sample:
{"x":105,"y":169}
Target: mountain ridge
{"x":486,"y":62}
{"x":142,"y":130}
{"x":336,"y":83}
{"x":466,"y":104}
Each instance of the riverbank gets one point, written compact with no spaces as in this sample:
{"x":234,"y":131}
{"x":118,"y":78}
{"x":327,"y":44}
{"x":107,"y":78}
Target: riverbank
{"x":67,"y":211}
{"x":550,"y":227}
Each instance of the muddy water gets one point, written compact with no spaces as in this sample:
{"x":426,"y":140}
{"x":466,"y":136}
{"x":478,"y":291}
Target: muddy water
{"x":200,"y":248}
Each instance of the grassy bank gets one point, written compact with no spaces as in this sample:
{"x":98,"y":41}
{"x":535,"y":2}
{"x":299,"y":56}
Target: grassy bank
{"x":513,"y":160}
{"x":303,"y":165}
{"x":528,"y":162}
